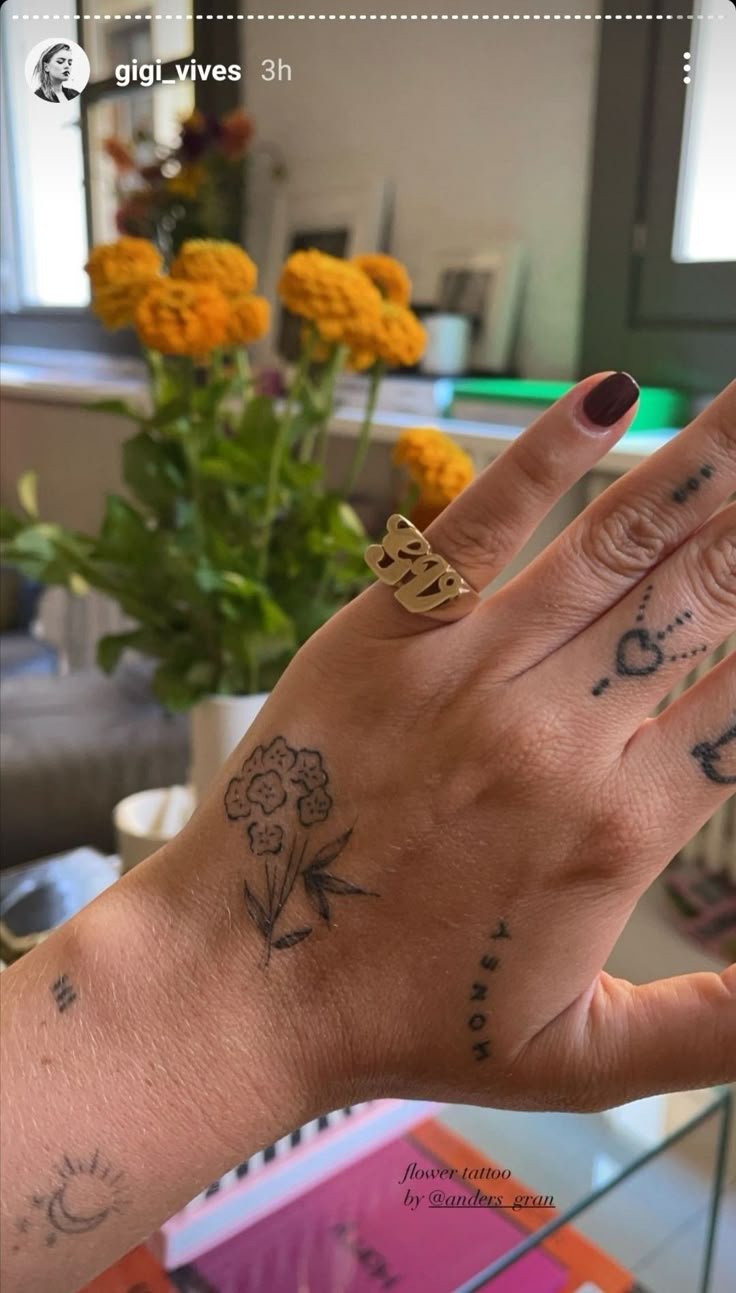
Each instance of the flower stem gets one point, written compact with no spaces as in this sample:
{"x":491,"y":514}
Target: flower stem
{"x":245,"y":375}
{"x":277,"y":453}
{"x":364,"y":436}
{"x":334,"y":368}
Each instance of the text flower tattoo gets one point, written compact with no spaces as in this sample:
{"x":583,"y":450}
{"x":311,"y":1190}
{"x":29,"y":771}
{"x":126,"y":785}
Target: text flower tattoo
{"x":279,"y":796}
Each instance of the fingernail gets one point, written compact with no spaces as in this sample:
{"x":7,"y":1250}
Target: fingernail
{"x":610,"y":399}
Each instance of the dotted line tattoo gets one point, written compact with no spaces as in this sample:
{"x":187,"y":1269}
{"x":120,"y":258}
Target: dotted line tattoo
{"x":281,"y":793}
{"x":640,"y":651}
{"x":478,"y":1020}
{"x":692,"y":484}
{"x":84,"y":1193}
{"x":718,"y":758}
{"x":63,"y":993}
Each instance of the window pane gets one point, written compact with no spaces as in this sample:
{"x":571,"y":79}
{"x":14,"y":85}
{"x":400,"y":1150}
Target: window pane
{"x":44,"y":162}
{"x":150,"y":29}
{"x":705,"y":218}
{"x":156,"y":114}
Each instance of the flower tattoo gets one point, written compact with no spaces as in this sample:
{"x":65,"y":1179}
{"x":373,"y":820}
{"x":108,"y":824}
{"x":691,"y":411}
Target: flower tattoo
{"x":278,"y":791}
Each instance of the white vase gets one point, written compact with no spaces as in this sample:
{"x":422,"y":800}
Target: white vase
{"x":218,"y":724}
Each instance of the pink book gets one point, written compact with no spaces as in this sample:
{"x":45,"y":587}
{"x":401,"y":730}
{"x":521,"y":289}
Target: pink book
{"x":357,"y":1232}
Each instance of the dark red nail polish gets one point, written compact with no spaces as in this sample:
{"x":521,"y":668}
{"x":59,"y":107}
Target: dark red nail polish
{"x":610,"y":399}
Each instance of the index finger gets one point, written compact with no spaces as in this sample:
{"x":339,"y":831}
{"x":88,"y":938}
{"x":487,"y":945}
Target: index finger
{"x":619,"y":538}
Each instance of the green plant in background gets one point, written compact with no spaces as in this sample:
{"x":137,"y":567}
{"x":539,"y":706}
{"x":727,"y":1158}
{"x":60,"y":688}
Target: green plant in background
{"x":228,"y":550}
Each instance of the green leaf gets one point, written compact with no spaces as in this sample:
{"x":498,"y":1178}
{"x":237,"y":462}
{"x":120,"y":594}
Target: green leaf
{"x":10,"y":524}
{"x":259,"y":425}
{"x":78,"y":585}
{"x":119,"y":407}
{"x":170,"y":411}
{"x":155,"y":470}
{"x":171,"y":687}
{"x":124,"y":533}
{"x":28,"y":493}
{"x":111,"y":647}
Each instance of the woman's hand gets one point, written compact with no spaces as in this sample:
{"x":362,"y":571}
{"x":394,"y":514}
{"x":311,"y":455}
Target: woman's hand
{"x":409,"y":876}
{"x":496,"y":793}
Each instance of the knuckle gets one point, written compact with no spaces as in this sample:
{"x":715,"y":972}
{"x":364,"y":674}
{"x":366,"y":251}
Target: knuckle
{"x":717,"y":571}
{"x":534,"y":470}
{"x":471,"y":538}
{"x":629,"y":540}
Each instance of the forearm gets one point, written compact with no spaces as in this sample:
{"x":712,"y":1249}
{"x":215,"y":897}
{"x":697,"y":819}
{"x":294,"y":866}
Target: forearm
{"x":143,"y":1055}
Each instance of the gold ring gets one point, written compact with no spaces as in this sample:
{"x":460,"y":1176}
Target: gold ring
{"x":427,"y":584}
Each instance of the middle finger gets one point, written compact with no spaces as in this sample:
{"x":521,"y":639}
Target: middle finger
{"x":615,"y":542}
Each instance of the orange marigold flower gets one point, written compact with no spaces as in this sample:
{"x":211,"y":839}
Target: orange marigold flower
{"x":121,"y":261}
{"x":250,"y":318}
{"x":180,"y":318}
{"x":388,"y":274}
{"x":207,"y":260}
{"x":438,"y":467}
{"x":331,"y":292}
{"x":396,"y":336}
{"x":115,"y":305}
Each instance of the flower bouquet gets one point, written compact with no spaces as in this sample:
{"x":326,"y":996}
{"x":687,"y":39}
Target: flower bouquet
{"x":228,"y":550}
{"x":192,"y":190}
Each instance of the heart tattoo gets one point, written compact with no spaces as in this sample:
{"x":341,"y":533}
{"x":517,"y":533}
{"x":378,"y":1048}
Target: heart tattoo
{"x":642,"y":651}
{"x":718,"y":758}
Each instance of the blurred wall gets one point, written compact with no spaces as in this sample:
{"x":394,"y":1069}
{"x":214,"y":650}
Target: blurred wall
{"x":484,"y":127}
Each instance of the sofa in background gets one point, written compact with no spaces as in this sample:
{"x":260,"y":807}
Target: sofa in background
{"x":22,"y":649}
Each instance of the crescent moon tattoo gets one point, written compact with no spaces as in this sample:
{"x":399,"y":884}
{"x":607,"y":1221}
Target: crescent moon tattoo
{"x":86,"y":1191}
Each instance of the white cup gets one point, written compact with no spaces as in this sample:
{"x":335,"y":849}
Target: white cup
{"x":448,"y":345}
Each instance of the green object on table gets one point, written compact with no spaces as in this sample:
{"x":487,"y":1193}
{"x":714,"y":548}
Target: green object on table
{"x":660,"y":407}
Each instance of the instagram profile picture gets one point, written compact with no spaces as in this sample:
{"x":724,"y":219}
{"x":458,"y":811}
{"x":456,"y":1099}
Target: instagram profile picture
{"x":57,"y":70}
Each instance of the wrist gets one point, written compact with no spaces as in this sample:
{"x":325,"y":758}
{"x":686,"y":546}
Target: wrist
{"x":261,"y":1040}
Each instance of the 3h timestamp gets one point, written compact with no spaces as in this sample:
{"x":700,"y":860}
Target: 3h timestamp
{"x":275,"y":69}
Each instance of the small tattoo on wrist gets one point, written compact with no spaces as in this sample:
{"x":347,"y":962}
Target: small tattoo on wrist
{"x":718,"y":758}
{"x":81,"y":1197}
{"x":642,"y":651}
{"x":64,"y":993}
{"x":692,"y":484}
{"x":280,"y":795}
{"x":477,"y":1020}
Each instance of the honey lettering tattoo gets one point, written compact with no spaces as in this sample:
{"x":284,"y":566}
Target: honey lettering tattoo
{"x":477,"y":1019}
{"x":642,"y":651}
{"x":280,"y":795}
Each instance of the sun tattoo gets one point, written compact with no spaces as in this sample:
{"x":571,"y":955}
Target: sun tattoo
{"x":641,"y":651}
{"x":83,"y":1195}
{"x":279,"y":796}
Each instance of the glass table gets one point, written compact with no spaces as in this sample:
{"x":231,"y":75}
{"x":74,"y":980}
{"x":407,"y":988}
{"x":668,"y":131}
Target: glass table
{"x":580,"y":1159}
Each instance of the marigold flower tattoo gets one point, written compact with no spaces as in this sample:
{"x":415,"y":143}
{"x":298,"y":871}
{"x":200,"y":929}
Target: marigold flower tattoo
{"x":278,"y":791}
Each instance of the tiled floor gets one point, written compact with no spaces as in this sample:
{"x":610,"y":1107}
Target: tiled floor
{"x":666,"y":1261}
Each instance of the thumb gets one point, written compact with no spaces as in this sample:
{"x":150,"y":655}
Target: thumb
{"x":672,"y":1035}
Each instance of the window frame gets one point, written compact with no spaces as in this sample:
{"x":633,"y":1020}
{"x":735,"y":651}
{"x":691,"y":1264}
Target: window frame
{"x":75,"y":327}
{"x":637,"y":137}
